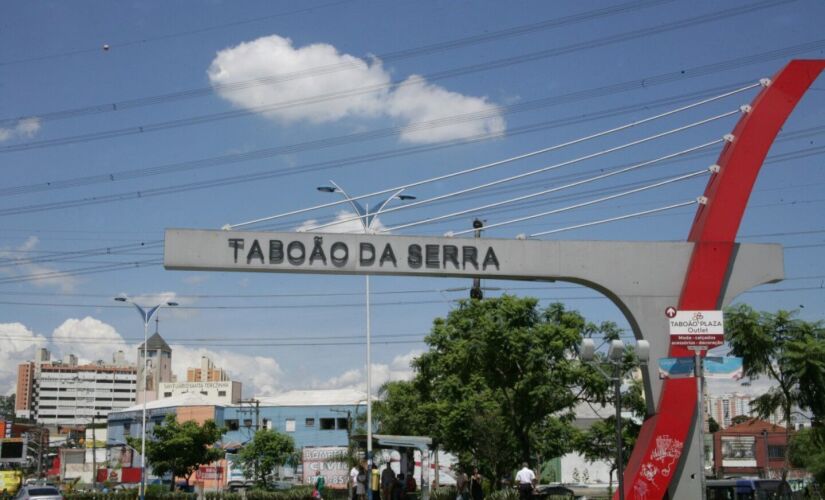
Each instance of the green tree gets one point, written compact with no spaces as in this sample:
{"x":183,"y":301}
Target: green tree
{"x":740,"y":419}
{"x":807,"y":450}
{"x":260,"y":457}
{"x":7,"y":407}
{"x":790,"y":352}
{"x":180,"y":448}
{"x":599,"y":441}
{"x":499,"y":381}
{"x":713,"y":425}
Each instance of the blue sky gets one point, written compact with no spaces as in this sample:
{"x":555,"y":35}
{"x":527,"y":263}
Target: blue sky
{"x":118,"y":120}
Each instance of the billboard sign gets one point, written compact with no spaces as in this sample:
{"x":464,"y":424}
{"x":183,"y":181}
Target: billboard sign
{"x":738,"y":451}
{"x":331,"y":461}
{"x":697,"y":328}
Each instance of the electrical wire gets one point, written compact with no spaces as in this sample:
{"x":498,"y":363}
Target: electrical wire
{"x":325,"y":69}
{"x":169,"y":35}
{"x":614,"y":219}
{"x":592,"y":202}
{"x":496,"y":64}
{"x":346,"y":139}
{"x":511,"y":159}
{"x":551,"y":190}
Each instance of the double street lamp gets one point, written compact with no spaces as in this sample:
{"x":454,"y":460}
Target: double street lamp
{"x":367,"y":220}
{"x":146,"y":314}
{"x":615,"y":357}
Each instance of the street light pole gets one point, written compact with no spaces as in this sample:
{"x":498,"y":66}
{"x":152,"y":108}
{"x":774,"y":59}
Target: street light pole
{"x":615,"y":356}
{"x":146,"y":315}
{"x":367,"y":219}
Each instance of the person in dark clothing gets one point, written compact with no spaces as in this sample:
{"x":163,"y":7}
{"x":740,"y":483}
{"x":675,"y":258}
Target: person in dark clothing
{"x":476,"y":489}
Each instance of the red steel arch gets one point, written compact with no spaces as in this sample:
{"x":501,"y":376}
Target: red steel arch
{"x":656,"y":457}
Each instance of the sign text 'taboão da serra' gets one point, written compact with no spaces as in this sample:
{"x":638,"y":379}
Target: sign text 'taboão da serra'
{"x":338,"y":254}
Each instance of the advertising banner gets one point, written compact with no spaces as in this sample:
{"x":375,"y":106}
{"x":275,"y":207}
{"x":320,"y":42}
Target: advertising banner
{"x":331,"y":461}
{"x":738,"y":451}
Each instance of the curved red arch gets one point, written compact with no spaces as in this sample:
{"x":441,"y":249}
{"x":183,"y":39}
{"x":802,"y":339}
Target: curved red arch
{"x":659,"y":448}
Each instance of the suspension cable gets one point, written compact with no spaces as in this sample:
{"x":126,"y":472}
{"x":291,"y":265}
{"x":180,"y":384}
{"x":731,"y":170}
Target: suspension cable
{"x":551,"y":190}
{"x":503,"y":161}
{"x":537,"y":171}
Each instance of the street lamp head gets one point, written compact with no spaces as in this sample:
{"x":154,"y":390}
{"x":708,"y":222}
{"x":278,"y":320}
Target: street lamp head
{"x":643,"y":350}
{"x":616,"y":350}
{"x":171,"y":304}
{"x":327,"y":189}
{"x":587,"y":350}
{"x":121,"y":299}
{"x":406,"y":197}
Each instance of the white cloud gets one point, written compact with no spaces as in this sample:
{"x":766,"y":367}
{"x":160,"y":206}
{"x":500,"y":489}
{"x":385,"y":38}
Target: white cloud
{"x":24,"y":267}
{"x":274,"y":57}
{"x":260,"y":375}
{"x":18,"y":345}
{"x":416,"y":101}
{"x":24,"y":128}
{"x":341,"y":224}
{"x":398,"y":369}
{"x":301,"y":75}
{"x":89,"y":339}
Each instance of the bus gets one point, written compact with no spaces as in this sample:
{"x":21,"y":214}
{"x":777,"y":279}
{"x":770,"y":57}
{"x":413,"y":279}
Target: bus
{"x":747,"y":489}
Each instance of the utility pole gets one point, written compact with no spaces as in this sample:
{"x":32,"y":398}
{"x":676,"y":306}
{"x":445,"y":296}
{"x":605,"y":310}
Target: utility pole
{"x":475,"y":291}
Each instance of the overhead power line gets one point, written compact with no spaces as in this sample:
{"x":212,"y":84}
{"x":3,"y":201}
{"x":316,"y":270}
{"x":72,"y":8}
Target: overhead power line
{"x":171,"y":168}
{"x":451,"y":73}
{"x":140,"y":41}
{"x":511,"y":159}
{"x":331,"y":68}
{"x":520,"y":176}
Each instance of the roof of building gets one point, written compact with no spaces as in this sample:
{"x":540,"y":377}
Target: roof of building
{"x":182,"y":400}
{"x":319,"y":397}
{"x":753,"y":426}
{"x":155,"y":343}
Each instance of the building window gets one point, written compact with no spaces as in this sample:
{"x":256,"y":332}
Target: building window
{"x":289,"y":425}
{"x":327,"y":424}
{"x":231,"y":424}
{"x":247,"y":422}
{"x":309,"y":422}
{"x":127,"y":429}
{"x":167,"y":394}
{"x":342,"y":424}
{"x":776,"y":452}
{"x":221,"y":393}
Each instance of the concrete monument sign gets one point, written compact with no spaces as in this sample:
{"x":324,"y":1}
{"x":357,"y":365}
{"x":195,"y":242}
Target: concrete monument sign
{"x":644,"y":279}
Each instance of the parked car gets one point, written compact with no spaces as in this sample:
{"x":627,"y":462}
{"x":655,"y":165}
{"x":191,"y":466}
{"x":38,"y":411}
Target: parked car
{"x":38,"y":492}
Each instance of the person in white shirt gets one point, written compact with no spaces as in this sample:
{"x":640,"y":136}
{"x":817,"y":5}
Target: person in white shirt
{"x":525,"y":479}
{"x":353,"y":480}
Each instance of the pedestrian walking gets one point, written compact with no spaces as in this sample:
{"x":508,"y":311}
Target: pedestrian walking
{"x":476,"y":488}
{"x":525,"y":479}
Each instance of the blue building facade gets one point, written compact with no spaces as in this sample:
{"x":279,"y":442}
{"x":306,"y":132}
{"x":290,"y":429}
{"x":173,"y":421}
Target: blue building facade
{"x":312,"y":418}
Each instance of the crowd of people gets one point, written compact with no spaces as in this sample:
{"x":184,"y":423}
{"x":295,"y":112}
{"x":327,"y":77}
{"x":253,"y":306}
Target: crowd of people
{"x":383,"y":486}
{"x":389,"y":486}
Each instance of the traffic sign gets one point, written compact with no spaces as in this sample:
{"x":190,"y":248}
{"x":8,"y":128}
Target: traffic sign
{"x":697,"y":328}
{"x":670,"y":312}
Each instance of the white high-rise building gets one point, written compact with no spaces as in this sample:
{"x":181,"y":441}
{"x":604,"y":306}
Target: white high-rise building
{"x":68,"y":393}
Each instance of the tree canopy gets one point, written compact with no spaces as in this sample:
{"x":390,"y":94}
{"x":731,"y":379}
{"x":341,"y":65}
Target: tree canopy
{"x":787,"y":350}
{"x":498,"y":383}
{"x":180,"y":448}
{"x":260,"y":457}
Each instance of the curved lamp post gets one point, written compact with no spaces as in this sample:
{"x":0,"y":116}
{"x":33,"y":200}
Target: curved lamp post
{"x":615,"y":356}
{"x":146,"y":314}
{"x":367,"y":219}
